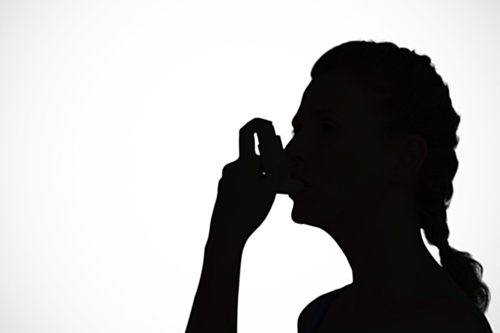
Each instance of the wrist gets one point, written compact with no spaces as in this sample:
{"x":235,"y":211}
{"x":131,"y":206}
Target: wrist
{"x":220,"y":245}
{"x":224,"y":252}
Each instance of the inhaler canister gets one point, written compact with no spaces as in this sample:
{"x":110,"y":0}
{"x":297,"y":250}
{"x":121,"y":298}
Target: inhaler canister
{"x":272,"y":154}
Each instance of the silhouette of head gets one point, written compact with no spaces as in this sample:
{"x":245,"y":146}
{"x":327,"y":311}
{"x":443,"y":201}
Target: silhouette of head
{"x":342,"y":153}
{"x":375,"y":135}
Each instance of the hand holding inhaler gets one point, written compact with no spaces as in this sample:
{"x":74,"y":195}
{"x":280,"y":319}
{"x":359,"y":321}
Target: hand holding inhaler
{"x":272,"y":154}
{"x":245,"y":195}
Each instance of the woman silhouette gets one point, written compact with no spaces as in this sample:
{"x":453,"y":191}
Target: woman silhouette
{"x":374,"y":144}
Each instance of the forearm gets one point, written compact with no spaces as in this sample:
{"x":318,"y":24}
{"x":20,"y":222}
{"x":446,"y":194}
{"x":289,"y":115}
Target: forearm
{"x":215,"y":306}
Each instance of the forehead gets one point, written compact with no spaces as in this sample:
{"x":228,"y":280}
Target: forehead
{"x":341,"y":79}
{"x":339,"y":93}
{"x":336,"y":85}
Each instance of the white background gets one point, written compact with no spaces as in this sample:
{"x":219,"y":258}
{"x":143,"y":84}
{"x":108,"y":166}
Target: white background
{"x":104,"y":217}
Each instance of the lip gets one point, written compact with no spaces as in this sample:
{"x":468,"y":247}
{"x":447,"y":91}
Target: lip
{"x":295,"y":177}
{"x":297,"y":194}
{"x":306,"y":186}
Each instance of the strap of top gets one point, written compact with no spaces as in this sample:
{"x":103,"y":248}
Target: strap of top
{"x":320,"y":308}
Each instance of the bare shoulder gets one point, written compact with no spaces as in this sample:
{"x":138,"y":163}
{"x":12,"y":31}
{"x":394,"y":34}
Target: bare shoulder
{"x":430,"y":315}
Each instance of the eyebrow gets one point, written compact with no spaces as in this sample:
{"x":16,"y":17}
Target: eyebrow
{"x":318,"y":113}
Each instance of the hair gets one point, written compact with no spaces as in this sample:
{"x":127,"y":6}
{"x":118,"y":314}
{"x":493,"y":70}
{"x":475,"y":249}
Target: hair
{"x":415,"y":100}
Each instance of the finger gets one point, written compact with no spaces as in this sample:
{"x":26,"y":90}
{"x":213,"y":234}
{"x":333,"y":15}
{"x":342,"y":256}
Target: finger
{"x":247,"y":140}
{"x":260,"y":165}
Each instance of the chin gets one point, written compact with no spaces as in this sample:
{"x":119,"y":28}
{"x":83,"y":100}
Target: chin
{"x":310,"y":218}
{"x":301,"y":217}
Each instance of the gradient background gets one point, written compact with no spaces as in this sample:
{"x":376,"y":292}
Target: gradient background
{"x":103,"y":215}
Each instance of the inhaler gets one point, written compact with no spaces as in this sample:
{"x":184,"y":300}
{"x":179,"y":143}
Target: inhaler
{"x":272,"y":154}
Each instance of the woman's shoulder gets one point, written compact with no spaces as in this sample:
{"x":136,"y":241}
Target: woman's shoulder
{"x":433,"y":314}
{"x":315,"y":309}
{"x":439,"y":308}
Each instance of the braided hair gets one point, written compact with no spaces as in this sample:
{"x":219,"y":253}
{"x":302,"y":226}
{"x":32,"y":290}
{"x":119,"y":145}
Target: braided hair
{"x":415,"y":100}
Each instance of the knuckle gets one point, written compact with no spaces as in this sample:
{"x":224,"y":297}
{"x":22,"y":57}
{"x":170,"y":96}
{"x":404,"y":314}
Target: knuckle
{"x":229,"y":168}
{"x":254,"y":122}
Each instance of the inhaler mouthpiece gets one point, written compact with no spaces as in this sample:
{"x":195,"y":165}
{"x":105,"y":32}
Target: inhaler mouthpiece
{"x":272,"y":154}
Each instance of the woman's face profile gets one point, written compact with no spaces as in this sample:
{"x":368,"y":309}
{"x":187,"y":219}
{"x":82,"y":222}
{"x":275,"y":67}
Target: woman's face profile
{"x":337,"y":149}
